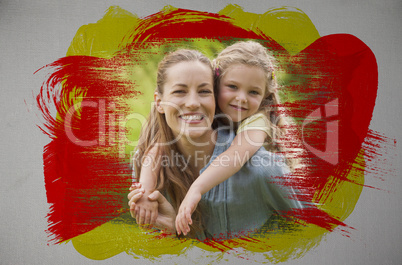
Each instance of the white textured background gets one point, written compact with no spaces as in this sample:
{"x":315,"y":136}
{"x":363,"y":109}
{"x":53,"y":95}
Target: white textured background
{"x":35,"y":33}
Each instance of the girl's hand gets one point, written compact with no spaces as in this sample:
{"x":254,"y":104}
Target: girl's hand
{"x":165,"y":218}
{"x":146,"y":211}
{"x":136,"y":192}
{"x":187,"y":207}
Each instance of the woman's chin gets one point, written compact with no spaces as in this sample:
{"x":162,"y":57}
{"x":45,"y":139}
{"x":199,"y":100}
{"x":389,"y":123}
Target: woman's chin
{"x":198,"y":135}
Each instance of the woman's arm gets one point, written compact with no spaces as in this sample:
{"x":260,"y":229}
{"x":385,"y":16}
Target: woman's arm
{"x":243,"y":147}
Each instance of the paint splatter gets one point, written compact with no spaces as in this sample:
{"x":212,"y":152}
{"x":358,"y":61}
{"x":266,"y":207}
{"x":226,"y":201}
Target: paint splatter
{"x":102,"y":92}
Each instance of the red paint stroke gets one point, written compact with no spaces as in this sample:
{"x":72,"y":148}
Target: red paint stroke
{"x":337,"y":68}
{"x":380,"y":155}
{"x":86,"y":185}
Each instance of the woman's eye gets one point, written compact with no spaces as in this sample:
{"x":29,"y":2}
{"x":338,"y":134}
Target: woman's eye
{"x":178,"y":91}
{"x":206,"y":91}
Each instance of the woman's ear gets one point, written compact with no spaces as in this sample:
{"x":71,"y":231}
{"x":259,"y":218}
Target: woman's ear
{"x":158,"y":100}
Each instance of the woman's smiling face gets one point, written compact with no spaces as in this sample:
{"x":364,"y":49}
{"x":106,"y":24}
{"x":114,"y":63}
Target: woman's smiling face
{"x":188,"y":99}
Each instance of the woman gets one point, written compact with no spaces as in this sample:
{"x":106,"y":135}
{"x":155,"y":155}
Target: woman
{"x":180,"y":125}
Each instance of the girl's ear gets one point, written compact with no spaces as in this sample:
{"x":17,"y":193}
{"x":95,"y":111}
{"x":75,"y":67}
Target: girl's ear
{"x":158,"y":100}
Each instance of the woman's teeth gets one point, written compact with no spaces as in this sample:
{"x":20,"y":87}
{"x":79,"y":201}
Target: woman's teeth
{"x":192,"y":117}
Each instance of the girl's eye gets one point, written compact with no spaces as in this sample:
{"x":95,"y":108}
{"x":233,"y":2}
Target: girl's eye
{"x":253,"y":92}
{"x":232,"y":86}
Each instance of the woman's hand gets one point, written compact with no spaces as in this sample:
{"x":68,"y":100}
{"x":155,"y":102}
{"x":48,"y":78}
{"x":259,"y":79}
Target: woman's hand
{"x":165,"y":219}
{"x":187,"y":207}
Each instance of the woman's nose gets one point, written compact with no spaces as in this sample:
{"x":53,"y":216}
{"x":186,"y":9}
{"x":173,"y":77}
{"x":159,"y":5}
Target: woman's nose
{"x":192,"y":101}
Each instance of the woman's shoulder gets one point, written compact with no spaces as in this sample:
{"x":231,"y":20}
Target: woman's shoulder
{"x":225,"y":133}
{"x":264,"y":158}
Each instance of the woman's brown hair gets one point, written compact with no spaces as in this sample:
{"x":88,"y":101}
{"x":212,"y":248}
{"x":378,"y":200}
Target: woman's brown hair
{"x":174,"y":180}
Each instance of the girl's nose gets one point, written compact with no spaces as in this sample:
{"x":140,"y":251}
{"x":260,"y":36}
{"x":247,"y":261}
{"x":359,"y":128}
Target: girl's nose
{"x":241,"y":97}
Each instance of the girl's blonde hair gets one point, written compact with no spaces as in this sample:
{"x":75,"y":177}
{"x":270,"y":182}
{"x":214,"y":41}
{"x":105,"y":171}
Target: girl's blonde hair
{"x":252,"y":53}
{"x":174,"y":180}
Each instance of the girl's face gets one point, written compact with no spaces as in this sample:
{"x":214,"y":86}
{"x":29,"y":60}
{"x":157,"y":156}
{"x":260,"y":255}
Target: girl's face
{"x":241,"y":91}
{"x":188,"y":99}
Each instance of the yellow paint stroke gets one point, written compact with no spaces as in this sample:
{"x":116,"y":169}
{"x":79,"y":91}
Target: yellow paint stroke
{"x":293,"y":30}
{"x":104,"y":38}
{"x":288,"y":26}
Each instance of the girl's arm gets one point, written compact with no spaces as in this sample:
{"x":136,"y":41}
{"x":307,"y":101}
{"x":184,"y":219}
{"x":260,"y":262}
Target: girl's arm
{"x":243,"y":147}
{"x":150,"y":169}
{"x":147,"y":211}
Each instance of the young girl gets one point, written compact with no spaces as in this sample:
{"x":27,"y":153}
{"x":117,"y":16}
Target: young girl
{"x":247,"y":96}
